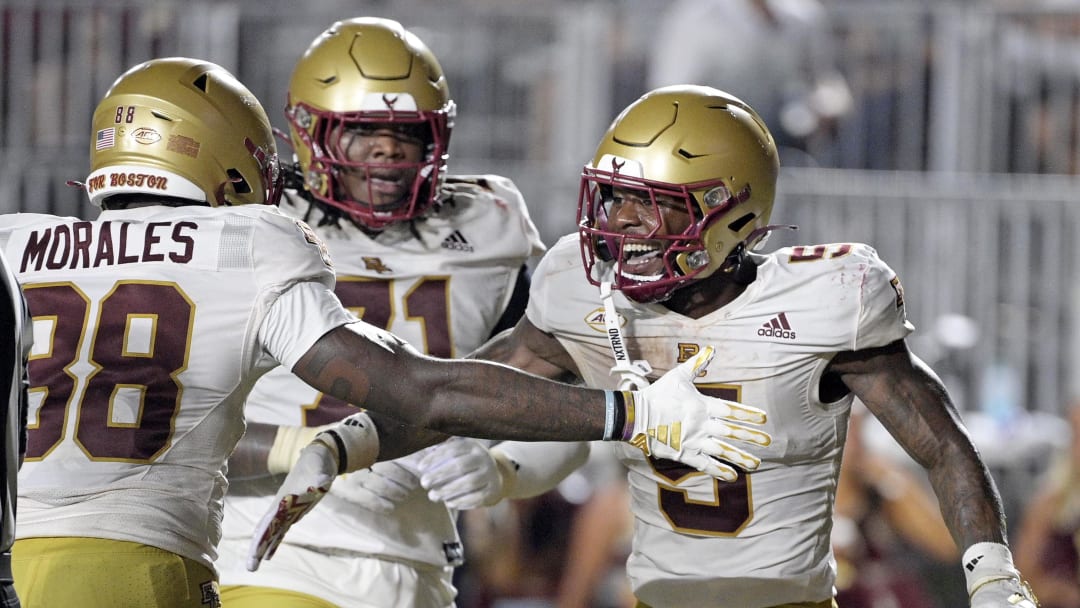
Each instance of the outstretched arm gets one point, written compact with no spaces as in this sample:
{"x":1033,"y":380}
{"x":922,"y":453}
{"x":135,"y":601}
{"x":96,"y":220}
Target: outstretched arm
{"x":366,"y":366}
{"x":267,"y":449}
{"x":361,"y":365}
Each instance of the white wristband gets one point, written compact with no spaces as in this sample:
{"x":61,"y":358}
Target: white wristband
{"x":609,"y":415}
{"x":354,"y":440}
{"x":987,"y":562}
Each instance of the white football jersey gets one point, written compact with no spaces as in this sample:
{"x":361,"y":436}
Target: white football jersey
{"x":762,"y":540}
{"x":146,"y":340}
{"x":442,"y":289}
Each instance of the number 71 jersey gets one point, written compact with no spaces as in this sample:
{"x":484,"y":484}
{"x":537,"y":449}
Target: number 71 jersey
{"x":442,"y":284}
{"x":762,"y":540}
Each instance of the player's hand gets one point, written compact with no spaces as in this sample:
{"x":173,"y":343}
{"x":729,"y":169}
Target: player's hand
{"x":462,"y":473}
{"x":379,"y":488}
{"x":1004,"y":593}
{"x":304,"y":486}
{"x":348,"y":446}
{"x":673,"y":420}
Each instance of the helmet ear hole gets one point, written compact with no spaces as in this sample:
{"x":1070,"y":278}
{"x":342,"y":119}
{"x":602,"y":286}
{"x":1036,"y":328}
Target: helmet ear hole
{"x":240,"y":185}
{"x":739,"y":223}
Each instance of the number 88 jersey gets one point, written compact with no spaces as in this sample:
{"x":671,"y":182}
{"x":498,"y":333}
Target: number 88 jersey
{"x":147,"y":337}
{"x":762,"y":540}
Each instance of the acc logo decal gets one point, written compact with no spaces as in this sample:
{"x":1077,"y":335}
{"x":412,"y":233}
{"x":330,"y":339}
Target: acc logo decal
{"x":595,"y":320}
{"x":146,"y":136}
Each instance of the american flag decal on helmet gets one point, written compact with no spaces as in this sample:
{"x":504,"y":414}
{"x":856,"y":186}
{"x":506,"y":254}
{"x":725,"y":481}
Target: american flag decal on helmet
{"x":106,"y":138}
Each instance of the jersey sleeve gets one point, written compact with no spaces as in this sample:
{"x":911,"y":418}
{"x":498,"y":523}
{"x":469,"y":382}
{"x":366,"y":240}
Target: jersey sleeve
{"x":503,"y":211}
{"x":296,"y":281}
{"x":506,"y":191}
{"x":882,"y":314}
{"x":298,"y":318}
{"x":287,"y":250}
{"x":558,"y":262}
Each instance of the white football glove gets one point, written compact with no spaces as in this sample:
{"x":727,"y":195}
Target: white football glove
{"x":462,"y":473}
{"x":672,"y":420}
{"x":350,"y":445}
{"x":993,"y":581}
{"x":1004,"y":593}
{"x":379,"y":488}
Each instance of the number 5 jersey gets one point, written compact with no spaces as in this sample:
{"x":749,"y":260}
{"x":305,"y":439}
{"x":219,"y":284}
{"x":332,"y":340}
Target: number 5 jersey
{"x":762,"y":540}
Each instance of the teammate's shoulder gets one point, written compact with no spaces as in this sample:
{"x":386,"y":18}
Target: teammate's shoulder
{"x":568,"y":244}
{"x":282,"y":234}
{"x":832,"y":254}
{"x":832,"y":266}
{"x":564,"y":255}
{"x":493,"y":206}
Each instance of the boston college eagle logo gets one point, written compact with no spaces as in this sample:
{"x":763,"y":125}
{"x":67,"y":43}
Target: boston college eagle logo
{"x":375,"y":264}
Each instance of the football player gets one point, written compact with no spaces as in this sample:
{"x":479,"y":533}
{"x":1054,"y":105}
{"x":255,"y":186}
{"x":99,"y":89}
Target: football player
{"x":152,"y":322}
{"x":438,"y":260}
{"x":673,"y":206}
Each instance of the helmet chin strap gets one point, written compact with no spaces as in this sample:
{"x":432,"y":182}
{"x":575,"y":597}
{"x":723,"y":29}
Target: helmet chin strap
{"x":631,"y":374}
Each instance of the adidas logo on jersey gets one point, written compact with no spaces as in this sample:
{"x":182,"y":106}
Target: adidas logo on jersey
{"x":457,"y":242}
{"x":778,"y":327}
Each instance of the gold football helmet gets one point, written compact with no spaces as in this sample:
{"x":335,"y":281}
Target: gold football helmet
{"x":186,"y":129}
{"x":706,"y":149}
{"x":363,"y":72}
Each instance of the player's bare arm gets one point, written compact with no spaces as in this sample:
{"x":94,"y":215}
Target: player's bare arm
{"x":528,"y":348}
{"x":913,"y":405}
{"x":474,"y":398}
{"x":524,"y":347}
